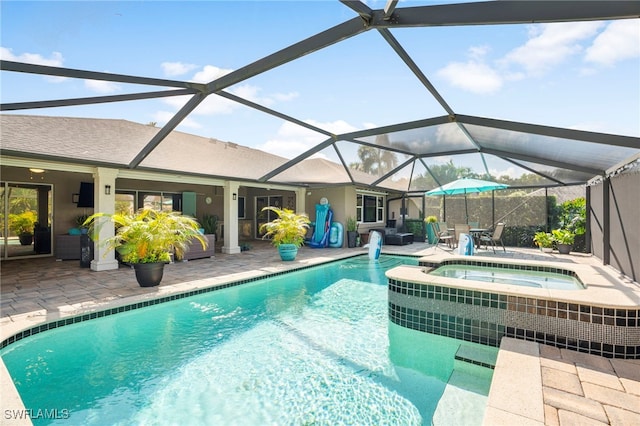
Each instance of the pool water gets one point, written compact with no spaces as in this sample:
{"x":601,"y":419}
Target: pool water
{"x":308,"y":347}
{"x":524,"y":278}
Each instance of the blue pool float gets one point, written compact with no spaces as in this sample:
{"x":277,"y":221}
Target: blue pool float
{"x":375,"y":245}
{"x":336,"y":235}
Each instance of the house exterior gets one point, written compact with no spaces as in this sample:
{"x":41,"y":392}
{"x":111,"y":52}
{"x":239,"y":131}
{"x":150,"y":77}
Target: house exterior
{"x":57,"y":156}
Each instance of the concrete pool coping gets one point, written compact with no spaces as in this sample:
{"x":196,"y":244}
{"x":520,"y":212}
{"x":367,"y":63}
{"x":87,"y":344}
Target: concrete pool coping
{"x":536,"y":384}
{"x":36,"y":291}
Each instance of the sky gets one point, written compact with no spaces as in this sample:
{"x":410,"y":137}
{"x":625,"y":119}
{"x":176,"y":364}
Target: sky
{"x":582,"y":75}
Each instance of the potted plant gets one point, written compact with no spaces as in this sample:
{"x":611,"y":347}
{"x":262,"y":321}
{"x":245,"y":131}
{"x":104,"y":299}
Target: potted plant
{"x":80,"y":227}
{"x":544,"y":240}
{"x":287,"y":231}
{"x":209,"y":224}
{"x":22,"y":225}
{"x":352,"y":231}
{"x":147,"y":238}
{"x":431,"y":236}
{"x":564,"y":240}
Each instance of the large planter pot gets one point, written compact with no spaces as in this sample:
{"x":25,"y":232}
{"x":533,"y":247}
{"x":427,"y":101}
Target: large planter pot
{"x":287,"y":252}
{"x":352,"y":237}
{"x":149,"y":274}
{"x":25,"y":239}
{"x":564,"y":248}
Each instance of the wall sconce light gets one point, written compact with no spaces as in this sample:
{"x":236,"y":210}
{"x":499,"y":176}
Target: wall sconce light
{"x":107,"y":190}
{"x":38,"y":172}
{"x":234,"y":196}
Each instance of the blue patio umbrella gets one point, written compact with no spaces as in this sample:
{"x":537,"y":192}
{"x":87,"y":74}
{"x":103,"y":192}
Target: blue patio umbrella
{"x":466,"y":186}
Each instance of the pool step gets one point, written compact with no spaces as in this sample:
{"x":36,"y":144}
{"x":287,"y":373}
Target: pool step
{"x":477,"y":356}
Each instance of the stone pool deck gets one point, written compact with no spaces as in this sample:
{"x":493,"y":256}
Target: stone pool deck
{"x":537,"y":384}
{"x":566,"y":387}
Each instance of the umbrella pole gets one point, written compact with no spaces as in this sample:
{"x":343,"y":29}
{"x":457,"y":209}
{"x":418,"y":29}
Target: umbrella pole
{"x":466,"y":208}
{"x":444,"y":208}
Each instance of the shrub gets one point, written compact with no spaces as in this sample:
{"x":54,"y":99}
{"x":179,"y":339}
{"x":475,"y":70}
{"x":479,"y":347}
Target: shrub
{"x":22,"y":223}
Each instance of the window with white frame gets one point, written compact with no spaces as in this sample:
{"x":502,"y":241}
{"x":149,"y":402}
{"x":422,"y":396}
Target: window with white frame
{"x":369,"y":208}
{"x":129,"y":201}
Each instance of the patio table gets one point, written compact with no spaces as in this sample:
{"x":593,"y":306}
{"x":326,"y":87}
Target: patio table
{"x":475,"y":233}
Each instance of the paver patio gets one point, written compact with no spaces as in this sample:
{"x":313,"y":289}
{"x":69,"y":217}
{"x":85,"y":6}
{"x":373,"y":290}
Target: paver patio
{"x":574,"y":388}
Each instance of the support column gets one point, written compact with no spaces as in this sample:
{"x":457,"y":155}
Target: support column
{"x":606,"y":221}
{"x":301,"y":200}
{"x":587,"y":234}
{"x":231,"y":218}
{"x":104,"y":180}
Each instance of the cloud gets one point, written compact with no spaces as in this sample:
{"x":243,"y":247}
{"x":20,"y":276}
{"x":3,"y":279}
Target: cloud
{"x":252,"y":93}
{"x":478,"y":52}
{"x":549,"y":45}
{"x":172,"y":69}
{"x":473,"y":75}
{"x":101,"y":86}
{"x":619,"y":41}
{"x":292,"y":140}
{"x":56,"y":59}
{"x":212,"y":105}
{"x":512,"y":172}
{"x":217,"y":105}
{"x":210,"y":73}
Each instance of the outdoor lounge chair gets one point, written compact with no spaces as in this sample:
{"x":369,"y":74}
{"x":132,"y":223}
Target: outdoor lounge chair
{"x":443,"y":236}
{"x":493,"y":237}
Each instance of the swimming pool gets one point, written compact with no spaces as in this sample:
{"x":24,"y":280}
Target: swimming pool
{"x":503,"y":275}
{"x":314,"y":346}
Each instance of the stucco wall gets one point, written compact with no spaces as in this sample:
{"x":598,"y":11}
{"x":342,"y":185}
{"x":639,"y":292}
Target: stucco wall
{"x":338,"y":198}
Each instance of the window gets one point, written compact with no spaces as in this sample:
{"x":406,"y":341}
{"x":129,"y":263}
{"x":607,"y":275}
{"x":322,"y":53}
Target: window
{"x":125,"y":202}
{"x":369,"y":208}
{"x":241,"y":207}
{"x":160,"y":201}
{"x":129,"y":201}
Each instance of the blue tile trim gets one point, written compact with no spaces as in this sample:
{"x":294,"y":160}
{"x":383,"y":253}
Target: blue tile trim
{"x":138,"y":305}
{"x":588,"y":328}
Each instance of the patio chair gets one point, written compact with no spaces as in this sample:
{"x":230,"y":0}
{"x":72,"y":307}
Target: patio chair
{"x":443,"y":236}
{"x":460,"y":228}
{"x":496,"y":235}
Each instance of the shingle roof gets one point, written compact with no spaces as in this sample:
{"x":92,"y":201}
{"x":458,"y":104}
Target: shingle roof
{"x":399,"y":156}
{"x":116,"y":143}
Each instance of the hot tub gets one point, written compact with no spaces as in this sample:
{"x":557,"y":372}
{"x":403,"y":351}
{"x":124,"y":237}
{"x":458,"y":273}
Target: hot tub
{"x":482,"y":300}
{"x":525,"y":276}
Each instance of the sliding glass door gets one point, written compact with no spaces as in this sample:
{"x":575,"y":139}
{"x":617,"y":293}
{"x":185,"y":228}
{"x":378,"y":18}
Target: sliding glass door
{"x":25,"y":216}
{"x":266,"y":216}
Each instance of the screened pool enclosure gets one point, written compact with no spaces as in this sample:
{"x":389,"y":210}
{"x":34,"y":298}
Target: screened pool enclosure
{"x":397,"y":151}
